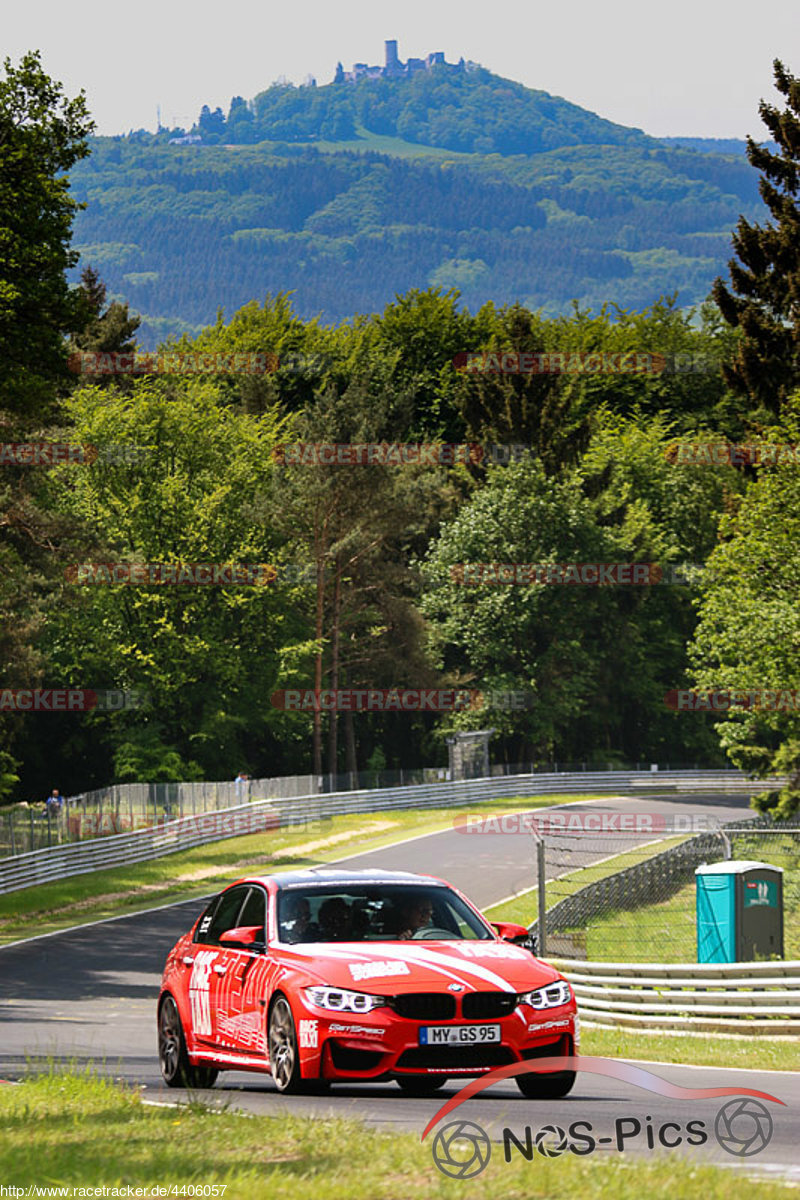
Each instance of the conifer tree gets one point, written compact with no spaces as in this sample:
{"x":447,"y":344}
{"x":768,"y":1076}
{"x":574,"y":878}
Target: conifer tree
{"x":763,"y":300}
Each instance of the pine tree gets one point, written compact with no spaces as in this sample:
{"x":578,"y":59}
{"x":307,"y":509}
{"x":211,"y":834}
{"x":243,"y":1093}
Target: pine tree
{"x":763,"y":301}
{"x":105,"y":331}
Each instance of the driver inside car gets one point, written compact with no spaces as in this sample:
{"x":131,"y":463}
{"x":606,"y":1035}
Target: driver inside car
{"x":415,"y":915}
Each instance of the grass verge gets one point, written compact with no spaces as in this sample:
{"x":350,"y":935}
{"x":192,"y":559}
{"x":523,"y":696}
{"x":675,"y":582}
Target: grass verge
{"x":91,"y":1133}
{"x":204,"y":869}
{"x":752,"y":1054}
{"x":667,"y":931}
{"x":524,"y":908}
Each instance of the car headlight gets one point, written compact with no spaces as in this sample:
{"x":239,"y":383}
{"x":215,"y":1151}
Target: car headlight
{"x":548,"y":997}
{"x":341,"y":1001}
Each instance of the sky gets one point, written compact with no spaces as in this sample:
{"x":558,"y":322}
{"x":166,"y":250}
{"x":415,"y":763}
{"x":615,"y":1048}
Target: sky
{"x":696,"y":68}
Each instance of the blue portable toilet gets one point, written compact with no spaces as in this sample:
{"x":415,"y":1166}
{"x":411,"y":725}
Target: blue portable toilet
{"x":739,"y":911}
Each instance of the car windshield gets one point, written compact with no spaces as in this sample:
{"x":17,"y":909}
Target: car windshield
{"x":366,"y":912}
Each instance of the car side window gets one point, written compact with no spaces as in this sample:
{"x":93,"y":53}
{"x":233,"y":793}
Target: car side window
{"x":254,"y":911}
{"x":226,"y":915}
{"x":205,"y":921}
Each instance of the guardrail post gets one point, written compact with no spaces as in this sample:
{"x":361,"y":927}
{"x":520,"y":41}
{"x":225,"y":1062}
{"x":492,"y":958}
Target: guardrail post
{"x":541,"y":948}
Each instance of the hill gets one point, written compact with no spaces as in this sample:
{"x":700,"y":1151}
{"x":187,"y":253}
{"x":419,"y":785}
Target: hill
{"x":349,"y":193}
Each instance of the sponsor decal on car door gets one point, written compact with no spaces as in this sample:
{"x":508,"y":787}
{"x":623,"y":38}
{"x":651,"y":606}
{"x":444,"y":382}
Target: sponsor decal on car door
{"x":200,"y":994}
{"x":240,"y":995}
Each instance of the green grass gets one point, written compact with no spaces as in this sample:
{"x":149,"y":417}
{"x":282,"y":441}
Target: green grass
{"x":524,"y":908}
{"x":379,"y":143}
{"x":663,"y":932}
{"x":667,"y":931}
{"x":755,"y":1054}
{"x":79,"y":1131}
{"x":204,"y":869}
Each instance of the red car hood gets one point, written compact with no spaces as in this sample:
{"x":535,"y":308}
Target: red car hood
{"x":391,"y":967}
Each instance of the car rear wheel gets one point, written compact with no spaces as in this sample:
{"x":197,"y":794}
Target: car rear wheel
{"x":176,"y":1069}
{"x":420,"y":1085}
{"x":284,"y":1059}
{"x":546,"y":1087}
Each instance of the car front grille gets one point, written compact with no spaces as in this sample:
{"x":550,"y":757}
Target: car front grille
{"x":425,"y":1006}
{"x":457,"y":1057}
{"x":483,"y":1006}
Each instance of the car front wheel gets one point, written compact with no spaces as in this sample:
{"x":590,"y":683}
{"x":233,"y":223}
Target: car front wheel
{"x":284,"y":1059}
{"x":173,"y":1057}
{"x":546,"y":1087}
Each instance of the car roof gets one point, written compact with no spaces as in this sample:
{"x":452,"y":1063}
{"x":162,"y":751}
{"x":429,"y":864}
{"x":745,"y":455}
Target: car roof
{"x":329,"y":875}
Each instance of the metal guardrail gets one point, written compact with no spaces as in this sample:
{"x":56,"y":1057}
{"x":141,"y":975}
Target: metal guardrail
{"x":79,"y":858}
{"x":747,"y":998}
{"x":121,"y":808}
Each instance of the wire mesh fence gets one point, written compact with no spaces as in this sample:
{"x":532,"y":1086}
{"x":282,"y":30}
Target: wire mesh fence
{"x":118,"y":809}
{"x":123,"y":808}
{"x":618,"y":898}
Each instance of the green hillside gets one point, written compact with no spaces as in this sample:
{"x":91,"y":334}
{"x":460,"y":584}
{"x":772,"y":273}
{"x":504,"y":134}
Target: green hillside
{"x":347,"y":194}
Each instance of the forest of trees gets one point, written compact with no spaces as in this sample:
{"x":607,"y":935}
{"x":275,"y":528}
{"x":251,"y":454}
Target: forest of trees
{"x":369,"y":593}
{"x":348,"y":194}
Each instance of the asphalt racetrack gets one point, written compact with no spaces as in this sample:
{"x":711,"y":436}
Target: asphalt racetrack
{"x":90,"y":994}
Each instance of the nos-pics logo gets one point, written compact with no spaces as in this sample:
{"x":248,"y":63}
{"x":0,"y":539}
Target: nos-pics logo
{"x":462,"y":1149}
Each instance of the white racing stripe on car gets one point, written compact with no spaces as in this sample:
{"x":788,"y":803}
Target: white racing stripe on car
{"x":438,"y":961}
{"x":331,"y":950}
{"x":441,"y":964}
{"x":418,"y":955}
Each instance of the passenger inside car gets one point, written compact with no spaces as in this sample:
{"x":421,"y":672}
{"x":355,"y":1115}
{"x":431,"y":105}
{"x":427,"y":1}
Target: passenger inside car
{"x":336,"y":920}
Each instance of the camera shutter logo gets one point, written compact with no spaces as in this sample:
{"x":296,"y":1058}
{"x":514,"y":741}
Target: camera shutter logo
{"x":551,"y":1140}
{"x":743,"y":1127}
{"x":461,"y":1150}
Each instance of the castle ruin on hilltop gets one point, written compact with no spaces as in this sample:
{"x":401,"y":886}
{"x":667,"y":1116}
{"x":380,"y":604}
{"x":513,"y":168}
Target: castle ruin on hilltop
{"x":393,"y":68}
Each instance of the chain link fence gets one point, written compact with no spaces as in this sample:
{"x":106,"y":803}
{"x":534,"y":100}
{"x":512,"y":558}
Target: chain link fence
{"x":610,"y":900}
{"x":125,"y":807}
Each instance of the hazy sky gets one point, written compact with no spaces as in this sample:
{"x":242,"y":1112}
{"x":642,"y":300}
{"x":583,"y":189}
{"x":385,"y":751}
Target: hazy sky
{"x":694,"y":67}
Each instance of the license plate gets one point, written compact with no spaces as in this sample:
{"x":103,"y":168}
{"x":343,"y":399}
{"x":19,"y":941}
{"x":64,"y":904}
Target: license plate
{"x":459,"y":1035}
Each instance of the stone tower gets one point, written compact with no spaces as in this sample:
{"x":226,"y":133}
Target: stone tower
{"x":392,"y":61}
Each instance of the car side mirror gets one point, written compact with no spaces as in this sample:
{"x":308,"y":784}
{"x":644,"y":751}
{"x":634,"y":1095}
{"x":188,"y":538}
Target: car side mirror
{"x":509,"y":931}
{"x":244,"y":937}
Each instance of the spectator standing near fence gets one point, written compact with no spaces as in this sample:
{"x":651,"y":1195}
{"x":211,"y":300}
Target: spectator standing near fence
{"x":54,"y":803}
{"x":242,"y":787}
